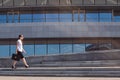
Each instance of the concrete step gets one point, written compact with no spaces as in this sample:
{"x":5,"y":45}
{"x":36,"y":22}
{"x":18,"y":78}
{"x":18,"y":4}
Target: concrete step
{"x":100,"y":63}
{"x":62,"y":58}
{"x":63,"y":71}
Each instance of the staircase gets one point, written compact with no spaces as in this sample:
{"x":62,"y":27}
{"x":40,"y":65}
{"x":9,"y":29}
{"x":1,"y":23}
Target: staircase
{"x":90,"y":64}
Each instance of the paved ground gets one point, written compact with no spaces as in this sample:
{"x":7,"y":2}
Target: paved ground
{"x":55,"y":78}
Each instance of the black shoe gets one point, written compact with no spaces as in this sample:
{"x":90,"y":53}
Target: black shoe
{"x":27,"y":66}
{"x":13,"y":67}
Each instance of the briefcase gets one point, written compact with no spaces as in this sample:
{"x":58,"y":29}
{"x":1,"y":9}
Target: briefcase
{"x":15,"y":57}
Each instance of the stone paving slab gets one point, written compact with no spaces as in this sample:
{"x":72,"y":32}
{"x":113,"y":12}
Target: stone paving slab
{"x":56,"y":78}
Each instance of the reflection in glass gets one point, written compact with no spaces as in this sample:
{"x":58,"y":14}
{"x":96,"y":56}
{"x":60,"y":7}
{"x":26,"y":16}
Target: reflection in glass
{"x":12,"y":49}
{"x":65,"y":17}
{"x":105,"y":17}
{"x":29,"y":50}
{"x":91,"y":17}
{"x":4,"y":50}
{"x":26,"y":18}
{"x":78,"y":48}
{"x":53,"y":48}
{"x":3,"y":18}
{"x":40,"y":49}
{"x":66,"y":48}
{"x":92,"y":47}
{"x":116,"y":18}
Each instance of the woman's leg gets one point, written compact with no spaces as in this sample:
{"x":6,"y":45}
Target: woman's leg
{"x":14,"y":63}
{"x":24,"y":61}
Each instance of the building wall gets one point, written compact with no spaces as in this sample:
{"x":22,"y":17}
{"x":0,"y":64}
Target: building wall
{"x":60,"y":29}
{"x":7,"y":3}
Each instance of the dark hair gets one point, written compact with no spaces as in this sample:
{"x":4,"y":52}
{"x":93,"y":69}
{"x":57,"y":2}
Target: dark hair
{"x":19,"y":36}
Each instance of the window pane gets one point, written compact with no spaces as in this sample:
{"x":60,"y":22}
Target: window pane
{"x":116,"y":18}
{"x":75,"y":17}
{"x":91,"y":15}
{"x":25,"y":20}
{"x":4,"y":50}
{"x":78,"y":48}
{"x":65,"y":15}
{"x":40,"y":49}
{"x":66,"y":48}
{"x":92,"y":47}
{"x":39,"y":20}
{"x":105,"y":17}
{"x":3,"y":21}
{"x":12,"y":49}
{"x":26,"y":16}
{"x":65,"y":20}
{"x":3,"y":16}
{"x":38,"y":16}
{"x":51,"y":20}
{"x":53,"y":48}
{"x":51,"y":15}
{"x":29,"y":49}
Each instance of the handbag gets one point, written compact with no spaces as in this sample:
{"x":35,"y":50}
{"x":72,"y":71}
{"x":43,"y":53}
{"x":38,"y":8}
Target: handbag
{"x":15,"y":57}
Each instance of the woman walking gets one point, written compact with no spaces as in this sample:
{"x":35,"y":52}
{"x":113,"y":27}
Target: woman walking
{"x":19,"y":51}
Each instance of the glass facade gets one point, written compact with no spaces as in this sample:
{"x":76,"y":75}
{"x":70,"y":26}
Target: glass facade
{"x":38,"y":49}
{"x":60,"y":16}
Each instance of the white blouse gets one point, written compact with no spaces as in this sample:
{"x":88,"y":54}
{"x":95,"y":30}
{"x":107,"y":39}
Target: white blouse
{"x":20,"y":45}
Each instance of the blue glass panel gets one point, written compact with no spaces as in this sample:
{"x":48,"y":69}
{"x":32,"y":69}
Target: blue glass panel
{"x":75,"y":20}
{"x":40,"y":49}
{"x":26,"y":16}
{"x":3,"y":21}
{"x":53,"y":48}
{"x":82,"y":20}
{"x":3,"y":16}
{"x":24,"y":20}
{"x":76,"y":15}
{"x":65,"y":48}
{"x":38,"y":16}
{"x":116,"y":18}
{"x":16,"y":16}
{"x":40,"y":20}
{"x":78,"y":48}
{"x":51,"y":15}
{"x":16,"y":21}
{"x":79,"y":17}
{"x":67,"y":15}
{"x":92,"y":20}
{"x":12,"y":49}
{"x":10,"y":18}
{"x":4,"y":50}
{"x":51,"y":20}
{"x":105,"y":15}
{"x":91,"y":15}
{"x":82,"y":15}
{"x":29,"y":49}
{"x":66,"y":20}
{"x":105,"y":20}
